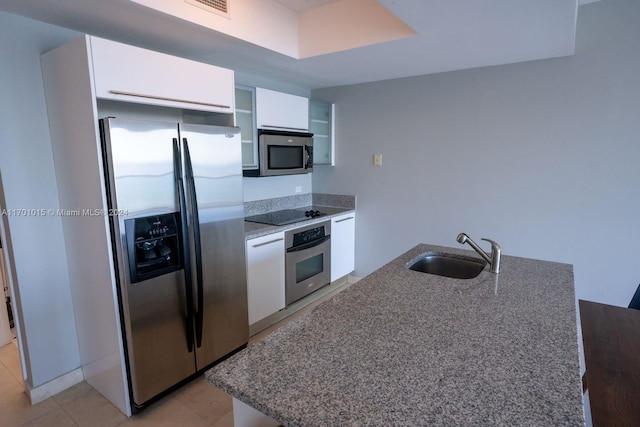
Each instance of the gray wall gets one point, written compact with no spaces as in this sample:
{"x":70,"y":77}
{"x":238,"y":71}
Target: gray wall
{"x":543,"y":157}
{"x":26,"y":164}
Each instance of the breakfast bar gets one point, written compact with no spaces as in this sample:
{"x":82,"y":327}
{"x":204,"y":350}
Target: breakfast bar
{"x":402,"y":347}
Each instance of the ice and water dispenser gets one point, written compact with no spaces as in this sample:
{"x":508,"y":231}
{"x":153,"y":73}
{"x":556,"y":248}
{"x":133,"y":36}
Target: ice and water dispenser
{"x":154,"y":245}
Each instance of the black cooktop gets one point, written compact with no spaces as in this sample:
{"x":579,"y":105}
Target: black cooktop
{"x":285,"y":216}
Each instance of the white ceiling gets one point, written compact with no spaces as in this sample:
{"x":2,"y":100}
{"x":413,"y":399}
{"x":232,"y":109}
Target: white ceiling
{"x":451,"y":35}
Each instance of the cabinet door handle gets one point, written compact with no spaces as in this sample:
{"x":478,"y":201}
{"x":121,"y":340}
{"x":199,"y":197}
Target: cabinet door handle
{"x":344,"y":219}
{"x":266,"y":243}
{"x":163,"y":98}
{"x":283,"y":127}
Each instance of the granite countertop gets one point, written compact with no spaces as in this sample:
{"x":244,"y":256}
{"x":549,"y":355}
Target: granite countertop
{"x":254,"y":229}
{"x":406,"y":348}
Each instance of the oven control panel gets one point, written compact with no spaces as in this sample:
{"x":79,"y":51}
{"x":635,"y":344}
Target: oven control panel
{"x":307,"y":234}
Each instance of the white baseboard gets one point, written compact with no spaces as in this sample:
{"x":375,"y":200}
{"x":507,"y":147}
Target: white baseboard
{"x":46,"y":390}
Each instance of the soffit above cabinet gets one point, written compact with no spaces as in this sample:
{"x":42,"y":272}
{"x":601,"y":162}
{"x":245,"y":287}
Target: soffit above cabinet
{"x":264,"y":37}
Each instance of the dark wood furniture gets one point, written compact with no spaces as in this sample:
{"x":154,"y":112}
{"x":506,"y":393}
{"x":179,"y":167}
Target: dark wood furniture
{"x":635,"y":301}
{"x":611,"y":337}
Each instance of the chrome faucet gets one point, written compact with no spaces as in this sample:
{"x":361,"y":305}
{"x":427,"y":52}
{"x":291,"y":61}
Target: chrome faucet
{"x":493,"y":260}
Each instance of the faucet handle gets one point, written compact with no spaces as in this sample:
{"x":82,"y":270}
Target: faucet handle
{"x":494,"y":245}
{"x":495,"y":255}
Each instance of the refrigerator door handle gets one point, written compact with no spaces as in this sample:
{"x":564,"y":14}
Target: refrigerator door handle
{"x":196,"y":239}
{"x":177,"y":168}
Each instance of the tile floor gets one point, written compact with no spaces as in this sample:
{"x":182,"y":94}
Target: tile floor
{"x":197,"y":403}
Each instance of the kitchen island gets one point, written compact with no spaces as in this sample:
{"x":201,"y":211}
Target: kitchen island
{"x":401,"y":347}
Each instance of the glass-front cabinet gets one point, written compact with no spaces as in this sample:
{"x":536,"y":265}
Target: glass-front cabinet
{"x":246,"y":121}
{"x":321,"y":117}
{"x":321,"y":124}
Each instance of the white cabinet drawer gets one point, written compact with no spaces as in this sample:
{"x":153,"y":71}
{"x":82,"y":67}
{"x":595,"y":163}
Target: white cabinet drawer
{"x":131,"y":74}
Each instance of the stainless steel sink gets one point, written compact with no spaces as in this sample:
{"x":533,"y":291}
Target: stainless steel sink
{"x":448,"y":265}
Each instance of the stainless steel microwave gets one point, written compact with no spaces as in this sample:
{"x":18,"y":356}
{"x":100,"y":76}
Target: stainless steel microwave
{"x":283,"y":153}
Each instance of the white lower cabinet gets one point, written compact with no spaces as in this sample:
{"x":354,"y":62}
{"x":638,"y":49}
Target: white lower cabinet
{"x":266,"y":266}
{"x":265,"y":276}
{"x":343,"y":235}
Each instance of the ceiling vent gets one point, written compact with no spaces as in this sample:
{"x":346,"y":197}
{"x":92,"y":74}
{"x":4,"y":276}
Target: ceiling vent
{"x":219,"y":7}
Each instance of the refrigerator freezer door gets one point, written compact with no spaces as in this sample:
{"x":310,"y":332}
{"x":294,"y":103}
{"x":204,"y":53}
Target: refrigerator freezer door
{"x":141,"y":163}
{"x":216,"y":163}
{"x":141,"y":181}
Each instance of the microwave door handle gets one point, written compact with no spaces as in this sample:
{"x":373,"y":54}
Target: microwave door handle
{"x":199,"y":315}
{"x":177,"y":170}
{"x":308,"y":150}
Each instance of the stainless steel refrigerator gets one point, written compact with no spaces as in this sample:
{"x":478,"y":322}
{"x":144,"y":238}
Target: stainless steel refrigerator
{"x":175,"y":201}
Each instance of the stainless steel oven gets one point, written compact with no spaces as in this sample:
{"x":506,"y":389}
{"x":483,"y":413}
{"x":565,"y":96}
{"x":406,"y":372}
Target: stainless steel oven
{"x":308,"y":260}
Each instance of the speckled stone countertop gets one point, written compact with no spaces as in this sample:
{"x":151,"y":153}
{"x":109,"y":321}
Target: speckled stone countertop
{"x":403,"y":348}
{"x":330,"y":204}
{"x":254,"y":229}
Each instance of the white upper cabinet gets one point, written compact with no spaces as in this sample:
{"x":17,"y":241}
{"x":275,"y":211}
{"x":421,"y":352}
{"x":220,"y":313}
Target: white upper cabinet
{"x":131,"y":74}
{"x":277,"y":110}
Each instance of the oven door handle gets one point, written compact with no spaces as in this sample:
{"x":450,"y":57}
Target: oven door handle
{"x":309,"y":245}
